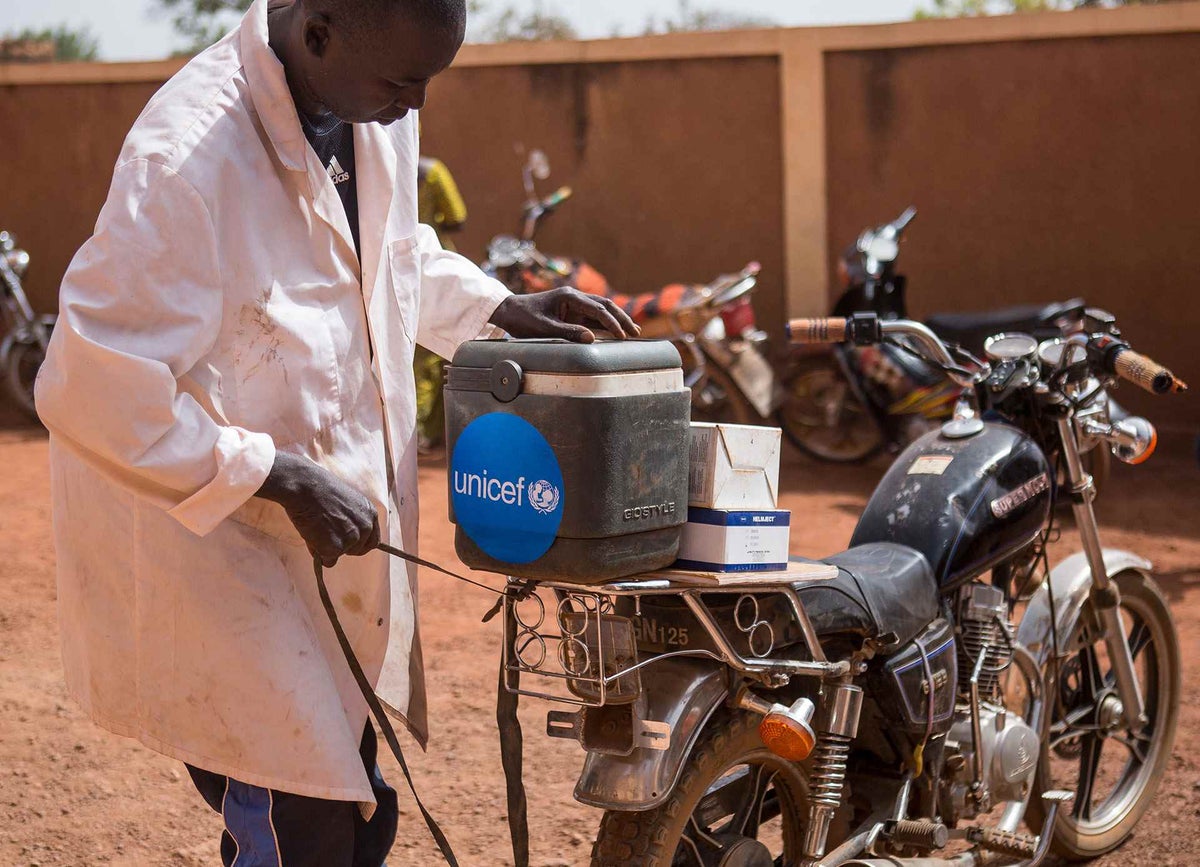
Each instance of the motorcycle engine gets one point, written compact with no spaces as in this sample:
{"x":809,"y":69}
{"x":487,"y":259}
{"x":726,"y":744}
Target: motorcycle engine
{"x":1006,"y":753}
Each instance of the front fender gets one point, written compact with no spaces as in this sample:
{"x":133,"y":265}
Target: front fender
{"x":1071,"y":581}
{"x":680,"y":692}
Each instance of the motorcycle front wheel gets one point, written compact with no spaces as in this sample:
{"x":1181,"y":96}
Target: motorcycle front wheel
{"x":1113,"y":771}
{"x":823,"y":417}
{"x":21,"y":369}
{"x":735,"y":803}
{"x":717,"y":398}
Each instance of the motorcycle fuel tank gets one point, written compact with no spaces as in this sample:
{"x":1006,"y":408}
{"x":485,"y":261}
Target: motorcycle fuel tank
{"x":568,"y":461}
{"x":965,"y":503}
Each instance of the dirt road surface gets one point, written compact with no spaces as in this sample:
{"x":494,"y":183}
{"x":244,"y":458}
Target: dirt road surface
{"x":71,"y":794}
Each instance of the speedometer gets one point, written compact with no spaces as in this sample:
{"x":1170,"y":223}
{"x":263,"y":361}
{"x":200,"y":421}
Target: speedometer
{"x":1010,"y":347}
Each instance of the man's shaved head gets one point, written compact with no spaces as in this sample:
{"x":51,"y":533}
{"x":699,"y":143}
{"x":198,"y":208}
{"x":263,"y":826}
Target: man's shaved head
{"x":441,"y":14}
{"x":366,"y":60}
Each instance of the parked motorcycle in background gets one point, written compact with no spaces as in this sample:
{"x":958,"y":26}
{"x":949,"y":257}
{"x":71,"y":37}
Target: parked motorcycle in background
{"x":26,"y":334}
{"x":848,"y":403}
{"x":712,"y":325}
{"x":937,"y":697}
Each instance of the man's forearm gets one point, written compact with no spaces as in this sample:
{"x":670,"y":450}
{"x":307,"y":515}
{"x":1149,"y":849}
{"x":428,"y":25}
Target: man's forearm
{"x":287,"y":479}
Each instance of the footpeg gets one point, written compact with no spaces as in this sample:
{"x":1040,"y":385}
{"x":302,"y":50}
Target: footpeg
{"x":1053,"y":801}
{"x":926,"y":836}
{"x":1008,"y":843}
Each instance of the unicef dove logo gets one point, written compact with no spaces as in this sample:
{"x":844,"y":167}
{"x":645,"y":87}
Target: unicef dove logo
{"x":543,"y":496}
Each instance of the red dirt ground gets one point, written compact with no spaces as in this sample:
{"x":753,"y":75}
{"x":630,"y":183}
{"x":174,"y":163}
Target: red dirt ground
{"x":71,"y":794}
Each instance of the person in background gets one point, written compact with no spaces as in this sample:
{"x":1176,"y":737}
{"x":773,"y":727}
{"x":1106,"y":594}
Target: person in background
{"x":441,"y":206}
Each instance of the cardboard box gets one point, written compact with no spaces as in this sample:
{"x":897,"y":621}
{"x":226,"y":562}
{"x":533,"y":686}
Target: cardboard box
{"x":720,"y":540}
{"x":734,"y":466}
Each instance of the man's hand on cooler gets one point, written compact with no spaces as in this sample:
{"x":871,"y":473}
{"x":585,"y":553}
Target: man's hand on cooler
{"x":565,"y":313}
{"x":331,"y":516}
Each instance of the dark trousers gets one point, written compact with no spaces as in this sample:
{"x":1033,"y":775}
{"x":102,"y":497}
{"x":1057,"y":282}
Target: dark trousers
{"x":266,"y":828}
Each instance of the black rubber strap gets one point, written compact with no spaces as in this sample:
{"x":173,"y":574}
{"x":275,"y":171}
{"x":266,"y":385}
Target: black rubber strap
{"x":377,"y":711}
{"x":404,"y":555}
{"x":511,"y":748}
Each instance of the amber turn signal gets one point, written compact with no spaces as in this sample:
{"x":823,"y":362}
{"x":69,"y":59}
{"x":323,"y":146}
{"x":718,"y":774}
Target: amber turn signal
{"x":786,"y":731}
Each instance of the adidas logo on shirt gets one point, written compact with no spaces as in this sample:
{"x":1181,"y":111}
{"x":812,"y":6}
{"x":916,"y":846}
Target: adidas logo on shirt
{"x":336,"y":173}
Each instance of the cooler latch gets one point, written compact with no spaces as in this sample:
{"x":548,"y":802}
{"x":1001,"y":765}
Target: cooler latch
{"x":506,"y":380}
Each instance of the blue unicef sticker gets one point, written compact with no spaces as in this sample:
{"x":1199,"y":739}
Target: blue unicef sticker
{"x":506,"y":488}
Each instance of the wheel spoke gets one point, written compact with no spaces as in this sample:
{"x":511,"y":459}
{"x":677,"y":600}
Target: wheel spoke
{"x":693,"y":850}
{"x":1138,"y":639}
{"x":1089,"y":768}
{"x":750,"y":815}
{"x":1137,"y":744}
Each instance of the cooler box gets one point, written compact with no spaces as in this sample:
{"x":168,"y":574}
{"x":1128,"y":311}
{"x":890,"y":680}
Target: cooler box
{"x":567,"y":461}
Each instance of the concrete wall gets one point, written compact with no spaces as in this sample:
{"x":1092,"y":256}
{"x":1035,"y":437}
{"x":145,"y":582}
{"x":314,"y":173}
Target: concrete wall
{"x":676,"y":166}
{"x":59,"y":143}
{"x":1041,"y":170}
{"x":1050,"y":155}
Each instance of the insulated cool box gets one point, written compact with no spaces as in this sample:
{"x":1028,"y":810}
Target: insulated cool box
{"x":568,"y":462}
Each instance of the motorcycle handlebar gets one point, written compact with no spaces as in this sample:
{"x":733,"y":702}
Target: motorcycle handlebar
{"x":1144,"y":372}
{"x":901,"y":222}
{"x":821,"y":330}
{"x":557,"y":198}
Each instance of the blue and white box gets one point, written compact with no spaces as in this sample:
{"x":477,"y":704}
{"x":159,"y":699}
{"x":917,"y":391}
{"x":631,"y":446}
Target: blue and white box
{"x":726,"y":540}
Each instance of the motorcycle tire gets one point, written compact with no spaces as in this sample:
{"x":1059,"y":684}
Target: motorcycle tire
{"x":851,"y":437}
{"x":1081,"y":831}
{"x":654,"y":838}
{"x":21,"y":368}
{"x":730,"y":406}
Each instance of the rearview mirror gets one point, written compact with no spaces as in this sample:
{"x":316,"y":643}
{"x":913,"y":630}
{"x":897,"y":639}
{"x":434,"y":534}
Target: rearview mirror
{"x":539,"y":165}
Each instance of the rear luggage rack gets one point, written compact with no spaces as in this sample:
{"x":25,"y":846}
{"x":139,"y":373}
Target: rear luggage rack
{"x":581,"y":643}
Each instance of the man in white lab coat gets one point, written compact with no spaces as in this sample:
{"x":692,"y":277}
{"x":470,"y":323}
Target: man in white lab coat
{"x":229,"y":393}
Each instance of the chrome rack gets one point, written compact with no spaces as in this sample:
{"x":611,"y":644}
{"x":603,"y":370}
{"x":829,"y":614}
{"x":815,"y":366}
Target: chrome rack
{"x":596,"y":649}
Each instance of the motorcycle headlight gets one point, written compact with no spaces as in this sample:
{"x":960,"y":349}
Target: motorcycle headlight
{"x":18,"y":260}
{"x":504,"y":251}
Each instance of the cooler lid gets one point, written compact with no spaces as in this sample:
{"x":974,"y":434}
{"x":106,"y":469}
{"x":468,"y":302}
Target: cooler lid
{"x":563,"y":356}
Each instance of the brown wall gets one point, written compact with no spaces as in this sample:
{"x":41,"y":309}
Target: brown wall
{"x":1050,"y":155}
{"x":60,"y":143}
{"x":1041,"y":170}
{"x":676,"y":166}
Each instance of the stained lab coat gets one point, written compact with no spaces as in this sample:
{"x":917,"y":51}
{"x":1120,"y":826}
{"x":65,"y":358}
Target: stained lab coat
{"x":217,"y":315}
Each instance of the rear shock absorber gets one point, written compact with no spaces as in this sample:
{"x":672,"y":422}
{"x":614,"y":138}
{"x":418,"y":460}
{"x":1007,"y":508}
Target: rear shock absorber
{"x":841,"y":705}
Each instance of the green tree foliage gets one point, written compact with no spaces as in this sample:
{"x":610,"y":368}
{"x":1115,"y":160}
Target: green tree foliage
{"x":69,"y":43}
{"x":202,"y":22}
{"x":962,"y":8}
{"x":512,"y":25}
{"x":690,"y":19}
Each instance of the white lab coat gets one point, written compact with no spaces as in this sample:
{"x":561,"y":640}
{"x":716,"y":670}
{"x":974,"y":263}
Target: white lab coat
{"x":216,"y":316}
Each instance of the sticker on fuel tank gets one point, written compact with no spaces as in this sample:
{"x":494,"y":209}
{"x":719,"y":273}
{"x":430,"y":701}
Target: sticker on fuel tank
{"x":506,"y":488}
{"x":930,"y":465}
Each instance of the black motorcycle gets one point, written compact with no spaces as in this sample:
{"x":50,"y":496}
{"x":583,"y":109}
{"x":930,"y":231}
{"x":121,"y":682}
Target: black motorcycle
{"x":25,"y":334}
{"x":935,"y":696}
{"x":847,"y":404}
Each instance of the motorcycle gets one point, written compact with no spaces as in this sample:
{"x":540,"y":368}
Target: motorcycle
{"x":26,"y":334}
{"x":712,"y":325}
{"x":914,"y":699}
{"x":848,"y":404}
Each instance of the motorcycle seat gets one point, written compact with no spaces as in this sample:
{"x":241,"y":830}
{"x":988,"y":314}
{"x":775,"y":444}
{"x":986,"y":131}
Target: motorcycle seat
{"x":970,"y":330}
{"x":882,"y":590}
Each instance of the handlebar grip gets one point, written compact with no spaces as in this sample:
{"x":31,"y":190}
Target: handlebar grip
{"x":1145,"y":373}
{"x":824,"y":330}
{"x":557,"y":197}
